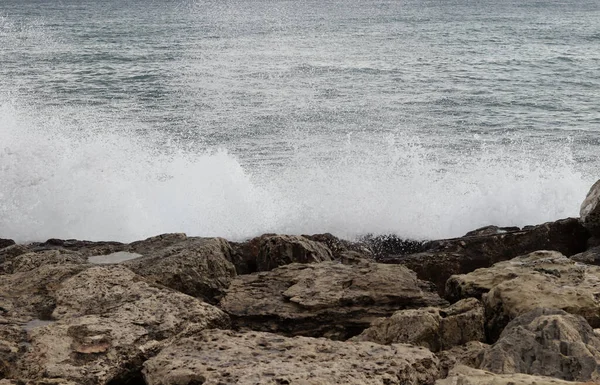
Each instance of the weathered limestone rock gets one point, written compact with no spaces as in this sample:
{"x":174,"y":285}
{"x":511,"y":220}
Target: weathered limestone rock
{"x":434,"y":328}
{"x":109,"y":321}
{"x":271,"y":250}
{"x":539,"y":279}
{"x":227,"y":357}
{"x":48,"y":381}
{"x":444,"y":258}
{"x":33,"y":260}
{"x":85,"y":248}
{"x":30,"y":294}
{"x":326,"y":298}
{"x":469,"y":354}
{"x":464,"y":375}
{"x":199,"y":267}
{"x":546,"y":342}
{"x":590,"y":256}
{"x":589,"y":212}
{"x":12,"y":339}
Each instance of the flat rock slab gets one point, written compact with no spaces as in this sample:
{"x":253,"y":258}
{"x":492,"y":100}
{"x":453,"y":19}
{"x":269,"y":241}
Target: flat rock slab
{"x":464,"y":375}
{"x":226,"y":357}
{"x":324,"y":299}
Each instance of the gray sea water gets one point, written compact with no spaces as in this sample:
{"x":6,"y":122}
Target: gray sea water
{"x":124,"y":119}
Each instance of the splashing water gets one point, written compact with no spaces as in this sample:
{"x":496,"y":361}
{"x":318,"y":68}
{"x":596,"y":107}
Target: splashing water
{"x":60,"y":180}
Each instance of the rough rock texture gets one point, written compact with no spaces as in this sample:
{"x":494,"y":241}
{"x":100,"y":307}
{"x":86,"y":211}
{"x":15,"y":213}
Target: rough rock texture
{"x":30,"y":294}
{"x":12,"y":339}
{"x":109,"y":322}
{"x":327,"y":298}
{"x":199,"y":267}
{"x":271,"y":250}
{"x":32,"y":260}
{"x":48,"y":381}
{"x":539,"y":279}
{"x":469,"y":354}
{"x":462,"y":255}
{"x":226,"y":357}
{"x":464,"y":375}
{"x":546,"y":342}
{"x":434,"y":328}
{"x":590,"y":256}
{"x":85,"y":248}
{"x":6,"y":242}
{"x":589,"y":212}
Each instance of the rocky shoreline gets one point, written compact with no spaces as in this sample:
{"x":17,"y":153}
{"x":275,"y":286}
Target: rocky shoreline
{"x":497,"y":306}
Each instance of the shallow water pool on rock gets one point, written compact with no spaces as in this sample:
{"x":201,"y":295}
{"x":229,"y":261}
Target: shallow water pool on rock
{"x":118,"y":257}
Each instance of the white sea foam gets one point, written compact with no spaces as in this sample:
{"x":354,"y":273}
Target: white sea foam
{"x":75,"y":179}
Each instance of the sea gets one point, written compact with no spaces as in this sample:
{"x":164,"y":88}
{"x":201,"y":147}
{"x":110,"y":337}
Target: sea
{"x":124,"y":119}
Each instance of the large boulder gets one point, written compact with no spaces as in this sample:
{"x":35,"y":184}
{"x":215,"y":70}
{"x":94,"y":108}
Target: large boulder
{"x":6,"y":242}
{"x":108,"y":322}
{"x":434,"y":328}
{"x":539,"y":279}
{"x":464,"y":375}
{"x":589,"y":212}
{"x":227,"y":357}
{"x":271,"y":250}
{"x":327,"y":298}
{"x":199,"y":267}
{"x":546,"y":342}
{"x":443,"y":258}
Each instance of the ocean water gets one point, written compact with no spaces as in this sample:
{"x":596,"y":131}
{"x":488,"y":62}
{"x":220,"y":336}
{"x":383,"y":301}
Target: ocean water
{"x":122,"y":119}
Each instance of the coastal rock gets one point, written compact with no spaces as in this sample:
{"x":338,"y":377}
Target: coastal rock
{"x":30,"y":294}
{"x":6,"y":242}
{"x":30,"y":261}
{"x":85,"y":248}
{"x":48,"y":381}
{"x":546,"y":342}
{"x":539,"y":279}
{"x":444,"y":258}
{"x":271,"y":250}
{"x":199,"y":267}
{"x":464,"y":375}
{"x":324,"y":299}
{"x":589,"y":212}
{"x":227,"y":357}
{"x":590,"y":256}
{"x":434,"y":328}
{"x":469,"y":354}
{"x":109,"y":321}
{"x":13,"y":338}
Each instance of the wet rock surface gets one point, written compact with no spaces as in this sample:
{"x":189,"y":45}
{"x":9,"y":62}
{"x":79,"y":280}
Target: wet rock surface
{"x":325,"y":299}
{"x":444,"y":258}
{"x":227,"y":357}
{"x":589,"y":212}
{"x":272,"y":250}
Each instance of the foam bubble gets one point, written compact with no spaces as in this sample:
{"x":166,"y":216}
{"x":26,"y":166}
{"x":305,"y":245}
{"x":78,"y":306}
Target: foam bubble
{"x":76,"y":179}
